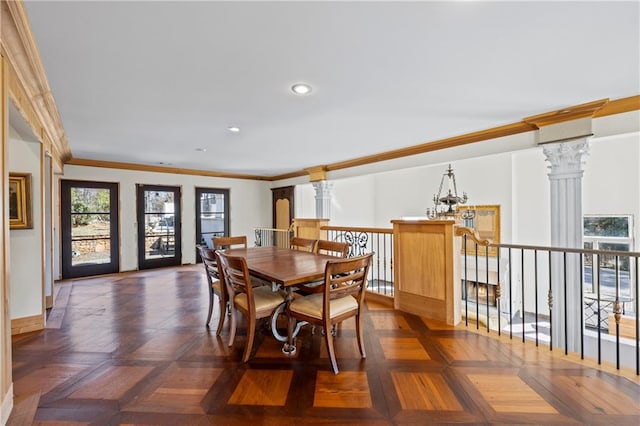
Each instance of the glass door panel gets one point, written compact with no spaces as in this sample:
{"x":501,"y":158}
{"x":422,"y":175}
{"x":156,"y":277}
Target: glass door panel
{"x":158,"y":226}
{"x":212,"y":207}
{"x":89,"y":228}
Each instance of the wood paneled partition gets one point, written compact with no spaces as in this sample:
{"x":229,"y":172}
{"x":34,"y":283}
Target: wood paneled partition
{"x":6,"y":392}
{"x":310,"y":228}
{"x":426,"y":276}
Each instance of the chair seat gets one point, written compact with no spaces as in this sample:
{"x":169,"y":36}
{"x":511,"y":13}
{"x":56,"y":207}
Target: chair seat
{"x":312,"y":305}
{"x":216,"y":286}
{"x":264,"y":298}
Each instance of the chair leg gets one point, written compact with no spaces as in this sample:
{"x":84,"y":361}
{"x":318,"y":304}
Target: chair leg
{"x":210,"y":308}
{"x":251,"y":332}
{"x":232,"y":329}
{"x":223,"y":313}
{"x":328,"y":337}
{"x":360,"y":335}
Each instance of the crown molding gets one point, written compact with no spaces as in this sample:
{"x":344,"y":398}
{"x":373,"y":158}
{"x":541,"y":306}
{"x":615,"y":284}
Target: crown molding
{"x":28,"y":86}
{"x":159,"y":169}
{"x":596,"y":109}
{"x":567,"y":114}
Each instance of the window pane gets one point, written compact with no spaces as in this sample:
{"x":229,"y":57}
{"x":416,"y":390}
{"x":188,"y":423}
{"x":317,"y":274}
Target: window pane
{"x":90,"y":200}
{"x":617,"y":226}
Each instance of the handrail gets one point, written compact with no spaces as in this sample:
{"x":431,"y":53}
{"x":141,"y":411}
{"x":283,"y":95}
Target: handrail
{"x":357,"y":229}
{"x":473,"y":234}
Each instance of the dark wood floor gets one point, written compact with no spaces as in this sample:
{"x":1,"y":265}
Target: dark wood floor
{"x":133,"y":349}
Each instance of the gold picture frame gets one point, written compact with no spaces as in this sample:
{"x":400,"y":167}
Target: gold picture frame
{"x":486,"y":223}
{"x":20,"y":201}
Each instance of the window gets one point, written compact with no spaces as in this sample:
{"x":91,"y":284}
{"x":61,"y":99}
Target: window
{"x":608,"y":233}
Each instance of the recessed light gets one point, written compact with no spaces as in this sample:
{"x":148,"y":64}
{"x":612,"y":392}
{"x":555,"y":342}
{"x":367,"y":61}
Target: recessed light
{"x":162,"y":163}
{"x":301,"y":89}
{"x":233,"y":129}
{"x":201,"y":149}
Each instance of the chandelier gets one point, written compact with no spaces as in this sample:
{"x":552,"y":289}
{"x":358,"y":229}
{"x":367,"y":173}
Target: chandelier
{"x":446,"y":206}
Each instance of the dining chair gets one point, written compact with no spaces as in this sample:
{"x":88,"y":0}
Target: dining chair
{"x":220,"y":243}
{"x":329,"y":248}
{"x":253,"y":302}
{"x":303,"y":244}
{"x":216,"y":288}
{"x":342,"y":297}
{"x":332,"y":248}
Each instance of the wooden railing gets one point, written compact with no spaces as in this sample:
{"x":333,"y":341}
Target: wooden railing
{"x":272,"y":237}
{"x":378,"y":241}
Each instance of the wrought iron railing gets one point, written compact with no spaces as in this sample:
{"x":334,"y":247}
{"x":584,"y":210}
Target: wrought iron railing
{"x":378,"y":241}
{"x":554,"y":296}
{"x":272,"y":237}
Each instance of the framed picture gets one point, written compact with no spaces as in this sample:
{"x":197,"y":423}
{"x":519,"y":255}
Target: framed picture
{"x":486,"y":223}
{"x":20,"y":201}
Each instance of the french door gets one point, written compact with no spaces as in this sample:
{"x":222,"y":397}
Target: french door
{"x":159,"y":226}
{"x":212,"y":216}
{"x":89,"y":216}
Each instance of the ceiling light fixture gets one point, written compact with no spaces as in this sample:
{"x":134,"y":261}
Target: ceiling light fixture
{"x":233,"y":129}
{"x":301,"y":89}
{"x":201,"y":149}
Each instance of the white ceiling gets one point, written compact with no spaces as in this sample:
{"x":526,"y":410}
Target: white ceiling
{"x":151,"y":82}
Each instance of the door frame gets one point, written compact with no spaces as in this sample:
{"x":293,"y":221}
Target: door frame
{"x":227,"y":204}
{"x":175,"y":260}
{"x":68,"y":270}
{"x":283,"y":193}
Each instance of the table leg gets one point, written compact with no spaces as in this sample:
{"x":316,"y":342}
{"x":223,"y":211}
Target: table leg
{"x":289,"y":347}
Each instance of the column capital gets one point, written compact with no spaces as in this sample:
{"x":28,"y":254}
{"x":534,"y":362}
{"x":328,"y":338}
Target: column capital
{"x":566,"y":158}
{"x":323,"y":188}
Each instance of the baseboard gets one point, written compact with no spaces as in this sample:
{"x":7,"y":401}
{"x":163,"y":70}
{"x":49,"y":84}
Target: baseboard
{"x":27,"y":324}
{"x":7,"y":406}
{"x":48,"y":302}
{"x":380,"y":298}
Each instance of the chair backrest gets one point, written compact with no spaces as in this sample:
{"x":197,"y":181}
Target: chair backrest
{"x":236,"y":277}
{"x":303,"y":244}
{"x":220,"y":243}
{"x":210,"y":263}
{"x":332,"y":248}
{"x":346,"y":277}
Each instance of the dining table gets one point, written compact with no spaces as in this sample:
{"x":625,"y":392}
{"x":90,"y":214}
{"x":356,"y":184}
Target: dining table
{"x":284,"y":268}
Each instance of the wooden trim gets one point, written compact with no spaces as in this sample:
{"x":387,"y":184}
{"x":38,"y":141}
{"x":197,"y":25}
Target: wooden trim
{"x":7,"y":406}
{"x":381,"y":299}
{"x":29,"y":88}
{"x":27,"y":324}
{"x":291,"y":175}
{"x":5,"y":321}
{"x":495,"y":132}
{"x":317,"y":173}
{"x":609,"y":108}
{"x":158,"y":169}
{"x":619,"y":106}
{"x":599,"y":108}
{"x":566,"y":114}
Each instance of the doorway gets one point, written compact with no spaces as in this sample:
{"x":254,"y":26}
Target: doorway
{"x":212,"y":216}
{"x":159,"y":226}
{"x":89,"y":216}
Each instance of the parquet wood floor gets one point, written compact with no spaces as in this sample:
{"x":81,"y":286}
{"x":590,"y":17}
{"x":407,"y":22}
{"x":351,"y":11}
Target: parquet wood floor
{"x":132,"y":349}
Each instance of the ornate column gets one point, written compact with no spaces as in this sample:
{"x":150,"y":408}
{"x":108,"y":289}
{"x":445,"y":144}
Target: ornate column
{"x":324,"y":192}
{"x":565,"y":135}
{"x":565,"y":177}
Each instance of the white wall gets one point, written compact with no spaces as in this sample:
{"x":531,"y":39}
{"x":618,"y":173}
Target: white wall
{"x":250,"y":205}
{"x":26,"y":266}
{"x":611,"y":182}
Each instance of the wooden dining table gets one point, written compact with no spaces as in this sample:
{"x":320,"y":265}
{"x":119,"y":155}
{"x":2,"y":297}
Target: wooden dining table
{"x":286,"y":268}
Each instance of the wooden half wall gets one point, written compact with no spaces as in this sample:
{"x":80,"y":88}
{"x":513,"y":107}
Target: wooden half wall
{"x":426,"y":273}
